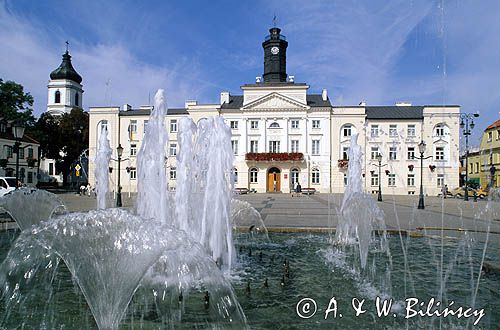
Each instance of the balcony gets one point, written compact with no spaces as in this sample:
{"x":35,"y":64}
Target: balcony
{"x":343,"y":163}
{"x":274,"y":156}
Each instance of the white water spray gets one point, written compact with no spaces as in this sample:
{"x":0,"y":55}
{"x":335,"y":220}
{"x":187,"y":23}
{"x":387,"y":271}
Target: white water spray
{"x":101,"y":169}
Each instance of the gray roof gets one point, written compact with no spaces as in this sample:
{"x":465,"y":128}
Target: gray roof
{"x":394,"y":112}
{"x":313,"y":100}
{"x":147,"y":112}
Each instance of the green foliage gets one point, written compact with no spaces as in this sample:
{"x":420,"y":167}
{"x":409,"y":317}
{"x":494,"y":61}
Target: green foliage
{"x":15,"y":104}
{"x":62,"y":138}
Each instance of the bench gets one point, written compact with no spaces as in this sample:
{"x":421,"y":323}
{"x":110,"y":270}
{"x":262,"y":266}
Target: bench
{"x":308,"y":191}
{"x":241,"y":191}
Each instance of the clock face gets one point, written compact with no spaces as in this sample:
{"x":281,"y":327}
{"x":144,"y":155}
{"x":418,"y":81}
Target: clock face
{"x":275,"y":50}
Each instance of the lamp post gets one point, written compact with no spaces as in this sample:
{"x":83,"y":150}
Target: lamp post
{"x":466,"y":131}
{"x":18,"y":132}
{"x":421,"y":149}
{"x":379,"y":159}
{"x":119,"y":151}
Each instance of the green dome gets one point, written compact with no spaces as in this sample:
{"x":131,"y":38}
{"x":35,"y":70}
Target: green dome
{"x":66,"y":70}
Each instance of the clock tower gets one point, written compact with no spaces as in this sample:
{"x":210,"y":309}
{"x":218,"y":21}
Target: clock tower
{"x":275,"y":46}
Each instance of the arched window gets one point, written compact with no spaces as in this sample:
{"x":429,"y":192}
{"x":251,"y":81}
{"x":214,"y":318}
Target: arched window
{"x":347,"y":130}
{"x":274,"y":125}
{"x":77,"y":98}
{"x":253,"y":175}
{"x":315,"y":176}
{"x":235,"y":175}
{"x":294,"y":176}
{"x":57,"y":97}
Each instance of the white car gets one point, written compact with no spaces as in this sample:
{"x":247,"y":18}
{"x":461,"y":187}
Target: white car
{"x":7,"y":184}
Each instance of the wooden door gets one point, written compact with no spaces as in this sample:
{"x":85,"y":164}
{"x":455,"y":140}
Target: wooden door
{"x":270,"y":182}
{"x":272,"y":179}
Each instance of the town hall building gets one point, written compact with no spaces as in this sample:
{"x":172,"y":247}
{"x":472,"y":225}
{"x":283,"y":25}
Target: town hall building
{"x":282,"y":134}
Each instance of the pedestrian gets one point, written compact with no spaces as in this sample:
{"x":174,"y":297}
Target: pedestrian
{"x":89,"y":189}
{"x":444,"y":190}
{"x":299,"y":188}
{"x":82,"y":190}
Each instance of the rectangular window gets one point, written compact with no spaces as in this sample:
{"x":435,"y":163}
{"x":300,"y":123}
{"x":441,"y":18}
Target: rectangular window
{"x":294,"y":146}
{"x":315,"y":123}
{"x":346,"y":131}
{"x":254,"y":146}
{"x":254,"y":124}
{"x":21,"y":153}
{"x":490,"y":136}
{"x":253,"y":175}
{"x":51,"y":168}
{"x":374,"y":131}
{"x":345,"y":153}
{"x":391,"y":180}
{"x":274,"y":146}
{"x":411,"y":180}
{"x":440,"y":180}
{"x":393,"y":153}
{"x":294,"y":124}
{"x":30,"y":177}
{"x":374,"y":153}
{"x":30,"y":152}
{"x":9,"y":151}
{"x":133,"y":149}
{"x":439,"y":153}
{"x":498,"y":134}
{"x":315,"y":147}
{"x":477,"y":167}
{"x":234,"y":146}
{"x":315,"y":177}
{"x":234,"y":124}
{"x":173,"y":173}
{"x":145,"y":125}
{"x":173,"y":149}
{"x":440,"y":130}
{"x":393,"y":130}
{"x":133,"y":173}
{"x":374,"y":179}
{"x":173,"y":125}
{"x":471,"y":168}
{"x":132,"y":129}
{"x":411,"y":152}
{"x":411,"y":131}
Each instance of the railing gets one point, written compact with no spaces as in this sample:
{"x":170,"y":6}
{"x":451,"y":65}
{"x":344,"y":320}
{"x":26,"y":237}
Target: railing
{"x":274,"y":156}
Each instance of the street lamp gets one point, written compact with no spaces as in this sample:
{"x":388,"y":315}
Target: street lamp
{"x":466,"y":131}
{"x":119,"y":151}
{"x":379,"y":159}
{"x":421,"y":149}
{"x":18,"y":132}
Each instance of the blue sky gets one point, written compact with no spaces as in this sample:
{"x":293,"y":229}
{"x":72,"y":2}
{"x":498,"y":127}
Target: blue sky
{"x":381,"y":52}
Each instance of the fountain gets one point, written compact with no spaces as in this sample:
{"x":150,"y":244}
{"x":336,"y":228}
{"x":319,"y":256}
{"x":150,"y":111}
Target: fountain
{"x":172,"y":262}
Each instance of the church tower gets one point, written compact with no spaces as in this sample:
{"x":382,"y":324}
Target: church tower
{"x":65,"y":88}
{"x":275,"y":46}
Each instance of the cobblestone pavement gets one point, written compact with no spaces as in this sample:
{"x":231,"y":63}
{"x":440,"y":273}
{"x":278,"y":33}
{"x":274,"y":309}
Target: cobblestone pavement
{"x":321,"y":211}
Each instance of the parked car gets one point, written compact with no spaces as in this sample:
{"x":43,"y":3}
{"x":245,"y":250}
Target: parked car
{"x":7,"y":184}
{"x":460,"y":192}
{"x":482,"y":192}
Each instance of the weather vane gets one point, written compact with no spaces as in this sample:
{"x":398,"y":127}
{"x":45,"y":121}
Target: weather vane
{"x":274,"y":20}
{"x":67,"y":45}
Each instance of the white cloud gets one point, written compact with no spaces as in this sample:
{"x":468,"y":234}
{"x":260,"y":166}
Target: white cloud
{"x":28,"y":57}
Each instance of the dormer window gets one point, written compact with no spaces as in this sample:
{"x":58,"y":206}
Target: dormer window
{"x":274,"y":125}
{"x":57,"y":97}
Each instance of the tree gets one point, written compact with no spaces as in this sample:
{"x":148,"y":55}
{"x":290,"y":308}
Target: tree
{"x":62,"y":138}
{"x":15,"y":104}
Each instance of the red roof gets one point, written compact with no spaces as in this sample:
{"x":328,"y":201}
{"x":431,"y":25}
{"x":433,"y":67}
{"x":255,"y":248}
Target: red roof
{"x":494,"y":125}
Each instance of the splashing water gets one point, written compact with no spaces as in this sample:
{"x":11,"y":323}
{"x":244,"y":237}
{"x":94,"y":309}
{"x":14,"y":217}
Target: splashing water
{"x":101,"y":169}
{"x":37,"y":206}
{"x":359,"y":213}
{"x":152,"y":194}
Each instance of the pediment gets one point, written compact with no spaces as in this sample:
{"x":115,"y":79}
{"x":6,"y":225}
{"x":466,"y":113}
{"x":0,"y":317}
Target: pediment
{"x":275,"y":101}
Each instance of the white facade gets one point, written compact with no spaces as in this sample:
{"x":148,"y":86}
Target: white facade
{"x":63,"y":96}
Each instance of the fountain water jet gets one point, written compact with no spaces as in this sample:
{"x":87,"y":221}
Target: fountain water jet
{"x":101,"y":169}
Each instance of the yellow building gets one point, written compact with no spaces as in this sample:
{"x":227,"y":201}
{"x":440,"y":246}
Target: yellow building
{"x":487,"y":163}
